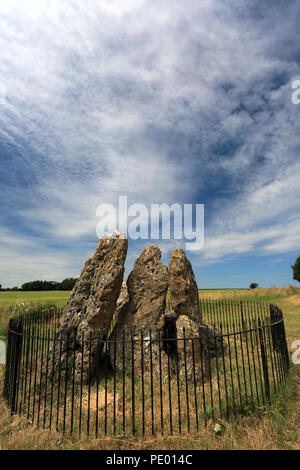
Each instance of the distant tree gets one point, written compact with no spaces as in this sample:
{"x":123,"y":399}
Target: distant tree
{"x":253,"y":285}
{"x":68,"y":283}
{"x":0,"y":286}
{"x":34,"y":285}
{"x":296,"y":269}
{"x":40,"y":285}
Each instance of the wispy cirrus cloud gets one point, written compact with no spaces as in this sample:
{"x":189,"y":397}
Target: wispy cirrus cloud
{"x":160,"y":101}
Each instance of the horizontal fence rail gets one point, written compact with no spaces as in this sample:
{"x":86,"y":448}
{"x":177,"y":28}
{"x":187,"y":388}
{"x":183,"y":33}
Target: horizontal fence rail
{"x":146,"y":382}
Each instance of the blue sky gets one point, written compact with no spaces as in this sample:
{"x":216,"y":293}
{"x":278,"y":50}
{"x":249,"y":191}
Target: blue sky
{"x":172,"y":101}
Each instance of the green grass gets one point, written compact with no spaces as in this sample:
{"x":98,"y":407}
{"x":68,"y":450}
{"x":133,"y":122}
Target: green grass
{"x":14,"y":300}
{"x":286,"y":298}
{"x":58,"y":298}
{"x":269,"y":294}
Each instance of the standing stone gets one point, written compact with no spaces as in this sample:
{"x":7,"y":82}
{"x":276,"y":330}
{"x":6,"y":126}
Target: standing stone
{"x":147,"y":287}
{"x":183,"y":287}
{"x":91,"y":306}
{"x":198,"y":357}
{"x":122,"y":303}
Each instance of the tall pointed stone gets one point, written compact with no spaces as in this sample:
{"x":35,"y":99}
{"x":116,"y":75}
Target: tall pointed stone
{"x":183,"y":286}
{"x":147,"y":287}
{"x":122,"y":303}
{"x":92,"y":303}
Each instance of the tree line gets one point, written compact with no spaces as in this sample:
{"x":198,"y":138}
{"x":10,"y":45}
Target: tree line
{"x":66,"y":284}
{"x":69,"y":283}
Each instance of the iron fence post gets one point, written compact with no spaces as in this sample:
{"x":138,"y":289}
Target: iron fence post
{"x":284,"y":344}
{"x":17,"y":343}
{"x":264,"y":361}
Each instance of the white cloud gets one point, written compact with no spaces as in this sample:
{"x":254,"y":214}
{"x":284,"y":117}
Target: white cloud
{"x":160,"y":101}
{"x":24,"y":260}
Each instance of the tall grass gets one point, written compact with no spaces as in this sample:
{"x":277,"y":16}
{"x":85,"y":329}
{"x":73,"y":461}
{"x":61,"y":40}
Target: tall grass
{"x":22,"y":309}
{"x":4,"y":318}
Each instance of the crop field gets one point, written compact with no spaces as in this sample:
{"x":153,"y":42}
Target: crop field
{"x":275,"y":427}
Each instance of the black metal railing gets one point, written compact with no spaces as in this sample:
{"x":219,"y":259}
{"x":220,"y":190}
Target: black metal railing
{"x":149,"y":382}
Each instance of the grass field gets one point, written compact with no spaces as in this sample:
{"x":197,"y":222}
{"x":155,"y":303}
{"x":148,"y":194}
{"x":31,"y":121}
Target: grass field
{"x":275,"y":428}
{"x":59,"y":298}
{"x":11,"y":300}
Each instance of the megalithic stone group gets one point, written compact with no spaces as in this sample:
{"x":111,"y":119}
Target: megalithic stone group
{"x":100,"y":300}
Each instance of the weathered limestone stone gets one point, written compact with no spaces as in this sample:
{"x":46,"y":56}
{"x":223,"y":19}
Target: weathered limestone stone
{"x":183,"y":286}
{"x":197,"y":345}
{"x":122,"y":303}
{"x":147,"y":287}
{"x":92,"y":303}
{"x":114,"y":235}
{"x":211,"y":339}
{"x":144,"y":348}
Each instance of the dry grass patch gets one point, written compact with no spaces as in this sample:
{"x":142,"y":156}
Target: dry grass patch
{"x":275,"y":428}
{"x":294,"y":299}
